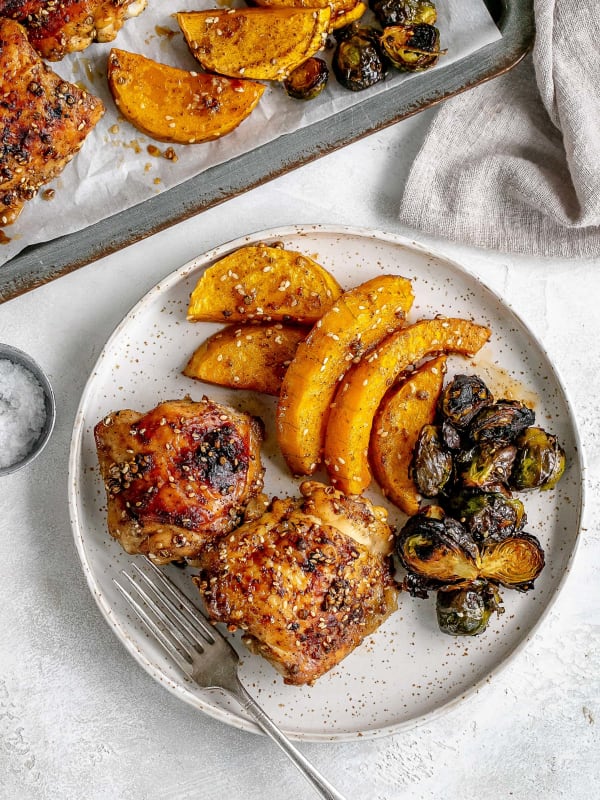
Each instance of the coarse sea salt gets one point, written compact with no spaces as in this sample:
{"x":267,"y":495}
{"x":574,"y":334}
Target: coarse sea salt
{"x":22,"y":412}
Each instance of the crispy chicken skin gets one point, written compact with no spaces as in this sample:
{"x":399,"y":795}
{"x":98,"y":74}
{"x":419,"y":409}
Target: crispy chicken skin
{"x":58,"y":27}
{"x":43,"y":121}
{"x":179,"y":475}
{"x":306,"y":582}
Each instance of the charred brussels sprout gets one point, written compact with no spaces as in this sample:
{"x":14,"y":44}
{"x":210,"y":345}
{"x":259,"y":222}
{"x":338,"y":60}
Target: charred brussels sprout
{"x":466,"y":611}
{"x":439,"y":550}
{"x":462,"y":398}
{"x":402,"y":12}
{"x":487,"y":515}
{"x":515,"y":562}
{"x":308,"y":80}
{"x":431,"y":463}
{"x":540,"y":461}
{"x":501,"y":422}
{"x":357,"y":61}
{"x":411,"y":48}
{"x":475,"y":452}
{"x":489,"y":467}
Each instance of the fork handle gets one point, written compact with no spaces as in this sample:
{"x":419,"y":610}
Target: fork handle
{"x":313,"y":776}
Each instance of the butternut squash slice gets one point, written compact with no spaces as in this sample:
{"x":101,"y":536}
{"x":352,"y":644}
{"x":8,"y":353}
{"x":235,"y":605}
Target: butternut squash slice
{"x":396,"y":427}
{"x":263,"y":283}
{"x":342,"y":11}
{"x":259,"y":43}
{"x":253,"y":357}
{"x":362,"y":390}
{"x":359,"y":318}
{"x":173,"y":105}
{"x":340,"y":17}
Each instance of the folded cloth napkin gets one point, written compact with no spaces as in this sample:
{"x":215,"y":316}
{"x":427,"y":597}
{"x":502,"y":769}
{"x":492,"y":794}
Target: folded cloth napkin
{"x":514,"y":164}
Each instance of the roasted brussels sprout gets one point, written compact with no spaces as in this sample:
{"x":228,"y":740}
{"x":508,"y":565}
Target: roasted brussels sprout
{"x":487,"y":515}
{"x":308,"y":80}
{"x":358,"y":61}
{"x":431,"y":465}
{"x":514,"y":562}
{"x":411,"y":48}
{"x":402,"y":12}
{"x":462,"y":398}
{"x":489,"y":467}
{"x":439,"y":550}
{"x":540,"y":460}
{"x":444,"y":553}
{"x":472,"y":541}
{"x":501,"y":422}
{"x":466,"y":611}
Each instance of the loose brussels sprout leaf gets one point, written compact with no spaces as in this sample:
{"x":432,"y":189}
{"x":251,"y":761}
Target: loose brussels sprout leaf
{"x":487,"y":515}
{"x":434,"y":549}
{"x":540,"y":461}
{"x":401,"y":12}
{"x":489,"y":467}
{"x":308,"y":80}
{"x":451,"y":436}
{"x":466,"y":611}
{"x":411,"y":48}
{"x":515,"y":562}
{"x":501,"y":422}
{"x":431,"y":463}
{"x":357,"y":61}
{"x":462,"y":398}
{"x":433,"y":512}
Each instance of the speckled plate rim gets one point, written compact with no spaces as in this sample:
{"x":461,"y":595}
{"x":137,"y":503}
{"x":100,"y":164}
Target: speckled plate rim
{"x":169,"y":281}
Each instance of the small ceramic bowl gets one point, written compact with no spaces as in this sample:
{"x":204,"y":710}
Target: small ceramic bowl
{"x":19,"y":357}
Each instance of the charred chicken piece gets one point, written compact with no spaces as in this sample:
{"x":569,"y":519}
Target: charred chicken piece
{"x":179,"y":476}
{"x":306,"y":582}
{"x":58,"y":27}
{"x":43,"y":121}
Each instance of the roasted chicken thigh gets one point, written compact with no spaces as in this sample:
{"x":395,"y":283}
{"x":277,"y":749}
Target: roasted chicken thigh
{"x":306,"y":582}
{"x":179,"y":475}
{"x":58,"y":27}
{"x":43,"y":121}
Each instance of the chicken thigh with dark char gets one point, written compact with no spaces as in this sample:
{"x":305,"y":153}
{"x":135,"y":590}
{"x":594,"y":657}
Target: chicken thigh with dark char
{"x":44,"y":121}
{"x":179,"y":476}
{"x":58,"y":27}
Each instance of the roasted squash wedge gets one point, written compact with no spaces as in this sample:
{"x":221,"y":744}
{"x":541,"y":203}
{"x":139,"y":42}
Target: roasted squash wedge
{"x":263,"y":283}
{"x":173,"y":105}
{"x":340,"y":17}
{"x":362,"y":390}
{"x":359,"y":318}
{"x":259,"y":43}
{"x":398,"y":421}
{"x":342,"y":11}
{"x":253,"y":357}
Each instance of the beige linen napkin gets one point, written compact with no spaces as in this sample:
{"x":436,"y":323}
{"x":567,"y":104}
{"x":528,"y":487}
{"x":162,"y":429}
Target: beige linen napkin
{"x":515,"y":163}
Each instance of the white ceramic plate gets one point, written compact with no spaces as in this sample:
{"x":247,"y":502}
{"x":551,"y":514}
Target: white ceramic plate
{"x":407,"y":671}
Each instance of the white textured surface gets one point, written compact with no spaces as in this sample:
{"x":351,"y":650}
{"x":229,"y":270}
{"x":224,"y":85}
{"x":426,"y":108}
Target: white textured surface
{"x":80,"y":719}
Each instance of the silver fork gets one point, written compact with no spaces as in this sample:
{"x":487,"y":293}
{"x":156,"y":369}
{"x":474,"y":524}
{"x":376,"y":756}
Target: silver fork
{"x":204,"y":654}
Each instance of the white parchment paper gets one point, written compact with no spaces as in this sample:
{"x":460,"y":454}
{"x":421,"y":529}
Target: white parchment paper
{"x":115,"y":169}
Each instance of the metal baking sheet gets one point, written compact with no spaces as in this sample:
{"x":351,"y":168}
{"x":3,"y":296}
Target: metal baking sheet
{"x":41,"y":263}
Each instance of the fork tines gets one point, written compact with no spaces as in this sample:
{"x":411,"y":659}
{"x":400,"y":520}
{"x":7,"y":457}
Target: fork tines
{"x":177,"y":624}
